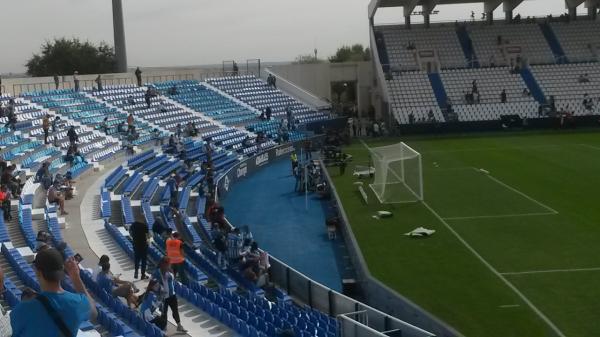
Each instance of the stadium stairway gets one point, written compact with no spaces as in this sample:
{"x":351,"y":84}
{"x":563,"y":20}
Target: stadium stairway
{"x":467,"y":46}
{"x":438,"y":89}
{"x":553,"y":42}
{"x":382,"y":50}
{"x":533,"y":86}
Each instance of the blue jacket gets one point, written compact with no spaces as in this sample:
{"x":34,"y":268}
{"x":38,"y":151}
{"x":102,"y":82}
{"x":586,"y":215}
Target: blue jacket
{"x":170,"y":281}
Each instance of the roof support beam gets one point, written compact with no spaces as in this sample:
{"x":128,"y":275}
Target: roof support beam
{"x":489,"y":6}
{"x":428,"y":6}
{"x":592,"y":6}
{"x":572,"y":7}
{"x":509,"y":6}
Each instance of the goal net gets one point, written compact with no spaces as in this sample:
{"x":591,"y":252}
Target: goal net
{"x":398,"y":174}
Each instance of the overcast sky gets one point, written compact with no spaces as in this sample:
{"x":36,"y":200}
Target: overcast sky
{"x":194,"y":32}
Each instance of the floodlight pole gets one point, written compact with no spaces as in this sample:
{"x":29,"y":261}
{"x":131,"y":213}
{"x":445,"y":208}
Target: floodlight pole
{"x":119,"y":33}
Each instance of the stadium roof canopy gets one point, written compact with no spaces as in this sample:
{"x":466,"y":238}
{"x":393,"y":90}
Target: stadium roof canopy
{"x":488,"y":5}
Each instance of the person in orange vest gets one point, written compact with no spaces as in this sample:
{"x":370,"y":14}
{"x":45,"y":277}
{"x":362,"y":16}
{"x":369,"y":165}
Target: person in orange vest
{"x":174,"y":247}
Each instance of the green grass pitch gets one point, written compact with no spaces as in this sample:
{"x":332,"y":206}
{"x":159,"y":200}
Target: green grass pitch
{"x":516,"y":252}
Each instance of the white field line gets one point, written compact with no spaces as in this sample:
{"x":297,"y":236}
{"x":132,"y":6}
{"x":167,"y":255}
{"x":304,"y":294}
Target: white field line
{"x":590,"y":146}
{"x":506,"y":306}
{"x":528,"y":272}
{"x":520,"y":193}
{"x":498,"y":216}
{"x":537,"y":311}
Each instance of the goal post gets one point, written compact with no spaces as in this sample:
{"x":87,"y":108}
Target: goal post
{"x":398,"y":174}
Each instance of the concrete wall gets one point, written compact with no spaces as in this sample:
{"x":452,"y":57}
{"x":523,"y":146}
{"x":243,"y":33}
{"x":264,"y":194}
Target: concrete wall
{"x":317,"y":78}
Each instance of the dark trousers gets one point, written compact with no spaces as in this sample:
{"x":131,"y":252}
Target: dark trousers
{"x":178,"y":270}
{"x":160,"y":322}
{"x":172,"y":303}
{"x":140,"y":255}
{"x":46,"y":132}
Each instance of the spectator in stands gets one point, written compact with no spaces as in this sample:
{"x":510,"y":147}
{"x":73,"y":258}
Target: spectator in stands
{"x":499,"y":40}
{"x":166,"y":279}
{"x":43,"y":176}
{"x":289,"y":114}
{"x":411,"y":118}
{"x":157,"y":136}
{"x":159,"y":228}
{"x":174,"y":248}
{"x":9,"y":180}
{"x":140,"y":236}
{"x":220,"y":244}
{"x":72,"y":134}
{"x":117,"y":287}
{"x":179,"y":130}
{"x":98,"y":81}
{"x":588,"y":103}
{"x":375,"y":129}
{"x":54,"y":311}
{"x":503,"y":96}
{"x":526,"y":93}
{"x":235,"y":69}
{"x":104,"y":125}
{"x":250,"y":262}
{"x":55,"y":196}
{"x":492,"y":61}
{"x":121,"y":128}
{"x":474,"y":88}
{"x":148,"y":97}
{"x":130,"y":100}
{"x":268,"y":113}
{"x":76,"y":80}
{"x":234,"y":246}
{"x":172,"y":90}
{"x":263,"y":116}
{"x":55,"y":122}
{"x":46,"y":127}
{"x":5,"y":197}
{"x":151,"y":305}
{"x":430,"y":116}
{"x":11,"y":117}
{"x":584,"y":78}
{"x":191,"y":129}
{"x":65,"y":184}
{"x":56,"y":82}
{"x":130,"y":121}
{"x":472,"y":16}
{"x":43,"y":239}
{"x":138,"y":76}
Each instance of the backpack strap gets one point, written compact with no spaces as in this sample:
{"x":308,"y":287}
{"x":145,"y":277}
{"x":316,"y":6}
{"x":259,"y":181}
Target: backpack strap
{"x":62,"y":326}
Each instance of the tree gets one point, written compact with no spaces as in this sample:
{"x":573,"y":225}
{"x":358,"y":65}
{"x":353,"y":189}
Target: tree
{"x":307,"y":59}
{"x":354,"y":53}
{"x":63,"y":56}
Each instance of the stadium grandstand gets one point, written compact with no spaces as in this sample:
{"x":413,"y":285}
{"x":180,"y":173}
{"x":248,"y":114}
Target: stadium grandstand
{"x":453,"y":193}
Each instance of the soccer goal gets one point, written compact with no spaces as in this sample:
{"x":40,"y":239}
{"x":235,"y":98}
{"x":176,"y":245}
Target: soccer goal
{"x":398,"y":174}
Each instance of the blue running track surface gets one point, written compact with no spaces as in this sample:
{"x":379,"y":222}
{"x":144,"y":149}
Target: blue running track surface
{"x":281,"y":224}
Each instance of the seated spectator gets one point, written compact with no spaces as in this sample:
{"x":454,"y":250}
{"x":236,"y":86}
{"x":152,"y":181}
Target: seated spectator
{"x":250,"y":262}
{"x":178,"y":131}
{"x":151,"y":306}
{"x":157,"y":136}
{"x":43,"y":176}
{"x":65,"y":185}
{"x":5,"y":197}
{"x":117,"y":287}
{"x":34,"y":317}
{"x":159,"y":228}
{"x":526,"y":93}
{"x":584,"y":78}
{"x":42,"y":239}
{"x":121,"y":129}
{"x":162,"y":107}
{"x":55,"y":196}
{"x":9,"y":180}
{"x":104,"y":125}
{"x":503,"y":96}
{"x":130,"y":100}
{"x":172,"y":90}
